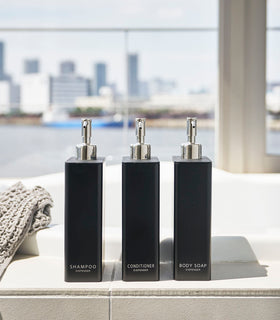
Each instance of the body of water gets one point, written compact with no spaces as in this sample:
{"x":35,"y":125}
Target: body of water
{"x":31,"y":151}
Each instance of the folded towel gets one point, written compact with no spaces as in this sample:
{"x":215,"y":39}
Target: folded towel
{"x":22,"y":212}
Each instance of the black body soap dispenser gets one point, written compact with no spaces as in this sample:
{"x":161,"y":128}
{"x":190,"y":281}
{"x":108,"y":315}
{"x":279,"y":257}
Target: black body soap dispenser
{"x":192,"y":210}
{"x":83,"y":212}
{"x":140,"y":211}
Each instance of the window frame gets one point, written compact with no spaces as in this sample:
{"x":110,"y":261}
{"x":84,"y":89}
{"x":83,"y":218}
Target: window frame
{"x":241,"y":110}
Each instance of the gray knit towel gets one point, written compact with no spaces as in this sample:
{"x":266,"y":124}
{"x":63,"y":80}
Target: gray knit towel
{"x":22,"y":212}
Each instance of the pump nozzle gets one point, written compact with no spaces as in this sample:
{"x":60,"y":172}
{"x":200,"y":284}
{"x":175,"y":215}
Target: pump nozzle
{"x":140,"y":129}
{"x":191,"y":150}
{"x":86,"y":131}
{"x":85,"y":150}
{"x":140,"y":150}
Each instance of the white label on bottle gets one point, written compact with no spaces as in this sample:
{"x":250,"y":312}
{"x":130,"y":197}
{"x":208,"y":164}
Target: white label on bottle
{"x":82,"y":267}
{"x":140,"y":267}
{"x":195,"y":267}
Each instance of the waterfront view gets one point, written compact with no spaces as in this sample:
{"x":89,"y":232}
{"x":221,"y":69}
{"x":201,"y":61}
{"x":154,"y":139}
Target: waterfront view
{"x":51,"y":77}
{"x":35,"y":150}
{"x":32,"y":150}
{"x":134,"y":81}
{"x":126,"y":75}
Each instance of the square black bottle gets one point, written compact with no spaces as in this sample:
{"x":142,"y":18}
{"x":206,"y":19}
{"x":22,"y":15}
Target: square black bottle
{"x":140,"y":211}
{"x":192,"y":210}
{"x":83,"y":212}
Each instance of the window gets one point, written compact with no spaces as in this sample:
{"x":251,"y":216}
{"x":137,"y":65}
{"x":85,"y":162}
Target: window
{"x":241,"y":134}
{"x":60,"y":62}
{"x":273,"y":78}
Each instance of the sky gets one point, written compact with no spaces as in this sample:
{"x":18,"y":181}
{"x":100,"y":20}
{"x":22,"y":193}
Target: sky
{"x":191,"y":59}
{"x":183,"y":57}
{"x":127,"y":13}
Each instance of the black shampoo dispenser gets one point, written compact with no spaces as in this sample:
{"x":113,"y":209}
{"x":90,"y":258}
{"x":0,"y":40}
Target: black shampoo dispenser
{"x":140,"y":211}
{"x":192,"y":210}
{"x":83,"y":212}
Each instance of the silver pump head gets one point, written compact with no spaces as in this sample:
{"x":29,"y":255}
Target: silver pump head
{"x":191,"y":150}
{"x":140,"y":150}
{"x":85,"y":150}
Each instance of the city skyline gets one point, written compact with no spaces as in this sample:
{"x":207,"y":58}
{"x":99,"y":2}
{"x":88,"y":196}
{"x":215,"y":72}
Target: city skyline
{"x":187,"y":79}
{"x":37,"y":91}
{"x":36,"y":64}
{"x":99,"y":78}
{"x":198,"y":55}
{"x":134,"y":83}
{"x":155,"y":62}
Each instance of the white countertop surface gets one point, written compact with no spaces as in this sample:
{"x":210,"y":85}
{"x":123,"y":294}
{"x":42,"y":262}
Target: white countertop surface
{"x":242,"y":266}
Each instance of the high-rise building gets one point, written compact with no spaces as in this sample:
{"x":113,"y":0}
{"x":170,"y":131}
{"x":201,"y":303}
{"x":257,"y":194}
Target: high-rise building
{"x":9,"y":92}
{"x":100,"y":77}
{"x":3,"y":75}
{"x":132,"y":73}
{"x":5,"y":94}
{"x":67,"y":67}
{"x":9,"y":96}
{"x":67,"y":87}
{"x":2,"y":72}
{"x":31,"y":66}
{"x":15,"y":97}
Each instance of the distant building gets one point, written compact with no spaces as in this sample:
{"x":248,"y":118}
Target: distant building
{"x":67,"y":67}
{"x":65,"y":88}
{"x":9,"y":92}
{"x":15,"y":95}
{"x":194,"y":102}
{"x":161,"y":86}
{"x":6,"y":96}
{"x":3,"y":75}
{"x":31,"y":66}
{"x":2,"y":46}
{"x":100,"y":77}
{"x":35,"y":93}
{"x":132,"y":73}
{"x":144,"y":89}
{"x":105,"y":102}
